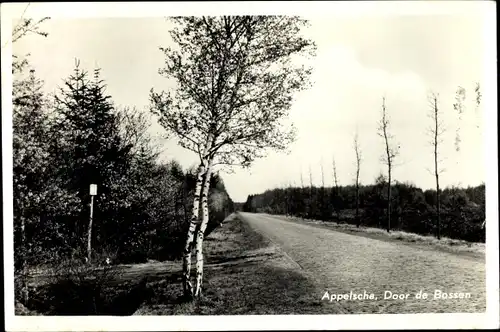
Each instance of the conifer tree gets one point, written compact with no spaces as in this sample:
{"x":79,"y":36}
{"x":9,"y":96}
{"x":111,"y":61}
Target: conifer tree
{"x":90,"y":148}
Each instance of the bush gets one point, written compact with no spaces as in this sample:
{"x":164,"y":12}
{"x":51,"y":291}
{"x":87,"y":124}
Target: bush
{"x":76,"y":289}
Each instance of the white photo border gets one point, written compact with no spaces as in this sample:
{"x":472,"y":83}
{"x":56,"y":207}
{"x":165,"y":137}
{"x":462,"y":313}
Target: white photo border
{"x":490,"y":319}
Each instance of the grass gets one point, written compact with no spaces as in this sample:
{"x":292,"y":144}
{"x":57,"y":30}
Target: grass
{"x":244,"y":274}
{"x":445,"y":244}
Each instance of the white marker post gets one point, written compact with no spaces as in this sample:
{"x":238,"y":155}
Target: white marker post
{"x":93,"y":192}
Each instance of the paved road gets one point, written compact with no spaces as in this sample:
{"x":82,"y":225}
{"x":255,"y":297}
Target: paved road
{"x":339,"y":263}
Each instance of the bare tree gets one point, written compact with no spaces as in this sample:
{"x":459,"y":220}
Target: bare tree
{"x":301,"y":179}
{"x":388,"y":157}
{"x":459,"y":106}
{"x":312,"y":209}
{"x":322,"y":175}
{"x":322,"y":199}
{"x":133,"y":126}
{"x":335,"y":178}
{"x":310,"y":177}
{"x":303,"y":208}
{"x":357,"y":150}
{"x":336,"y":189}
{"x":235,"y":85}
{"x":289,"y":198}
{"x":436,"y":131}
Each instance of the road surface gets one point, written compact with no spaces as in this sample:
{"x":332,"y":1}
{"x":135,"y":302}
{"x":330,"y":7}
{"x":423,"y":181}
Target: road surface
{"x":338,"y":263}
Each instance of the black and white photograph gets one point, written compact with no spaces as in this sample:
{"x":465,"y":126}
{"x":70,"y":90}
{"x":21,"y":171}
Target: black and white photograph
{"x":249,"y":165}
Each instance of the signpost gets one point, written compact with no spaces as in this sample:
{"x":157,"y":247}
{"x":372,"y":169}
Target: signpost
{"x":93,"y":192}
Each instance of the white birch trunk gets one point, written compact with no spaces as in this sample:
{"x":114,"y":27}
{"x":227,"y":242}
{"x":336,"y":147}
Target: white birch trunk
{"x":186,"y":267}
{"x":201,"y":232}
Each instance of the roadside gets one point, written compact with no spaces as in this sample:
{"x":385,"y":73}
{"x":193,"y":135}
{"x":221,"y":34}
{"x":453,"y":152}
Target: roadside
{"x":461,"y":247}
{"x":245,"y":274}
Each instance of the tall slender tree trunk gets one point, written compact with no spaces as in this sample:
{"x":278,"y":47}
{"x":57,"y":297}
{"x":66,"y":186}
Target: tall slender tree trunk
{"x":195,"y":218}
{"x":357,"y":204}
{"x":358,"y":166}
{"x":312,"y":209}
{"x":436,"y":171}
{"x":303,"y":206}
{"x":337,"y":203}
{"x":436,"y":132}
{"x":391,"y":154}
{"x":201,"y":231}
{"x":186,"y":266}
{"x":389,"y":195}
{"x":438,"y":203}
{"x":336,"y":194}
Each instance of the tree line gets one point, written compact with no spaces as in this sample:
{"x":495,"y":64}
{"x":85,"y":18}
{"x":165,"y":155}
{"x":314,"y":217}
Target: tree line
{"x":413,"y":209}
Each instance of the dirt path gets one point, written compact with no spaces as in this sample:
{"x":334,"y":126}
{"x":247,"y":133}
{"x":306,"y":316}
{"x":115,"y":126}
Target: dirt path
{"x":339,"y":263}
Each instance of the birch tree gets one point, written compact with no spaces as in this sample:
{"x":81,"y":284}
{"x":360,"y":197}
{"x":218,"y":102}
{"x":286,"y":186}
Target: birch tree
{"x":388,"y":157}
{"x":235,"y":81}
{"x":357,"y":150}
{"x":436,"y":131}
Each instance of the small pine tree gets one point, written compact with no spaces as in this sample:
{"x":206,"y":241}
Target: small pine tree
{"x":90,"y":147}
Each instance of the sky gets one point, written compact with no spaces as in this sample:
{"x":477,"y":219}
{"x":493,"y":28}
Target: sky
{"x":360,"y":59}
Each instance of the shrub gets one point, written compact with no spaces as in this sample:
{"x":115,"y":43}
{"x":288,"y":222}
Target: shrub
{"x":75,"y":289}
